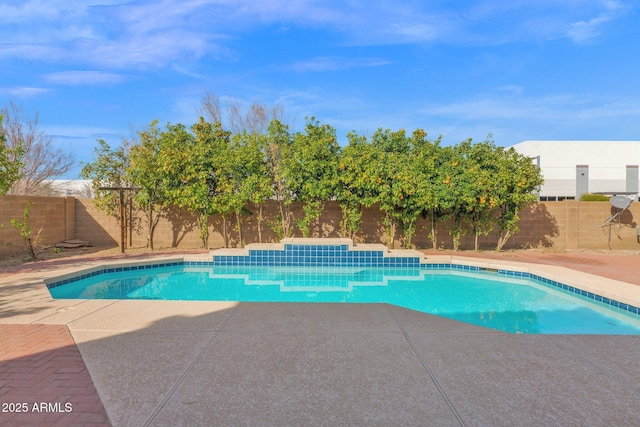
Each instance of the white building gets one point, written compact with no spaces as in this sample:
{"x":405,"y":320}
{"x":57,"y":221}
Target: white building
{"x":572,"y":168}
{"x":71,"y":188}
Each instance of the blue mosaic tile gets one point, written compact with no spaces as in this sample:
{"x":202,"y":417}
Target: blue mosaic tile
{"x":315,"y":255}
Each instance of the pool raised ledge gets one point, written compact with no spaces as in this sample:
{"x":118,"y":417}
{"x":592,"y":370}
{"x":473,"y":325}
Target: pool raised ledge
{"x":331,"y":252}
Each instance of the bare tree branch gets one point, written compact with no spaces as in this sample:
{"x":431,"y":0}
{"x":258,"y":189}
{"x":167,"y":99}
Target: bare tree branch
{"x":210,"y":108}
{"x":234,"y":113}
{"x":234,"y":116}
{"x":42,"y":161}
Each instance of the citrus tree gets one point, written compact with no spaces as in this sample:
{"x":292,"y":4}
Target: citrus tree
{"x":10,"y":162}
{"x":390,"y":173}
{"x":429,"y":188}
{"x":354,"y":189}
{"x":460,"y":189}
{"x":311,"y":172}
{"x":517,"y":179}
{"x":253,"y":183}
{"x":276,"y":148}
{"x":146,"y":173}
{"x":187,"y":161}
{"x":482,"y":163}
{"x":110,"y":169}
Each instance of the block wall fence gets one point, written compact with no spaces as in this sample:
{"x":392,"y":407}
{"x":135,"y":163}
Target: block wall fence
{"x":568,"y":224}
{"x":54,"y":216}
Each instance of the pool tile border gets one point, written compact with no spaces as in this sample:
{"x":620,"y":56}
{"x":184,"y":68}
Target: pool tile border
{"x":590,"y":295}
{"x":336,"y":253}
{"x":95,"y":271}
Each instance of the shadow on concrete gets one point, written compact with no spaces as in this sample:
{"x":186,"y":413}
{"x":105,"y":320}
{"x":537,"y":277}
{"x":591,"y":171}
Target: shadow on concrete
{"x":25,"y":293}
{"x":338,"y":364}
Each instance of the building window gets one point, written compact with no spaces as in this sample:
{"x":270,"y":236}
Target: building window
{"x":555,"y":198}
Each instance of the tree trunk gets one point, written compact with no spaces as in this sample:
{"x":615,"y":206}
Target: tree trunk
{"x":476,"y":245}
{"x":409,"y":235}
{"x":203,"y":223}
{"x":130,"y":222}
{"x":224,"y":231}
{"x":352,"y":233}
{"x":153,"y":229}
{"x":392,"y":231}
{"x":454,"y":235}
{"x":260,"y":223}
{"x":30,"y":249}
{"x":150,"y":228}
{"x":502,"y":240}
{"x":283,"y":219}
{"x":239,"y":225}
{"x":316,"y":223}
{"x":434,"y":232}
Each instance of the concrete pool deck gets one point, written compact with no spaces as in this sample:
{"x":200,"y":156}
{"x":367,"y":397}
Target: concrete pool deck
{"x":212,"y":363}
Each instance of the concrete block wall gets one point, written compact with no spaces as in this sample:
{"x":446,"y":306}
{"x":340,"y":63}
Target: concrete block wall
{"x":591,"y":233}
{"x":47,"y":213}
{"x":94,"y":226}
{"x":178,"y":228}
{"x":568,"y":224}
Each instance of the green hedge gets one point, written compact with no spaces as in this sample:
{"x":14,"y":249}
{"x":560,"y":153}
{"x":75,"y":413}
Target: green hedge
{"x":588,"y":197}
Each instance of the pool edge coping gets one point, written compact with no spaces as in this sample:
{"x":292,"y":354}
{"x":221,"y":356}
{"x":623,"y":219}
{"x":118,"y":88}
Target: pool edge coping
{"x":616,"y":291}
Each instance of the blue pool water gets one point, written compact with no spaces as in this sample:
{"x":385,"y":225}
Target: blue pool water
{"x":510,"y":304}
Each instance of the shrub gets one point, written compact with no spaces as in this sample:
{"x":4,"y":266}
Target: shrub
{"x":30,"y":239}
{"x":588,"y":197}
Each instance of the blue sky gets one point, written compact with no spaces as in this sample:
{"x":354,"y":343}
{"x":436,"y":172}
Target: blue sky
{"x":520,"y":69}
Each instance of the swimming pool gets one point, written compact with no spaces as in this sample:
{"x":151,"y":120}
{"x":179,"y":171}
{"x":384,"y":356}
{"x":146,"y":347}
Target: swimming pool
{"x":507,"y":301}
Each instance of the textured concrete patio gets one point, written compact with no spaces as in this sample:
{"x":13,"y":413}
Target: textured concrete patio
{"x":166,"y":363}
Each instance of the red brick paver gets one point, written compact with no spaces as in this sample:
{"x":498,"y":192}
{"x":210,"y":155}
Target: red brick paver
{"x":619,"y":265}
{"x":43,"y":379}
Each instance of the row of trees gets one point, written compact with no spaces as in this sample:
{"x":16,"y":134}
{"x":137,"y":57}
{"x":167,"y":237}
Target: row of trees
{"x":209,"y":170}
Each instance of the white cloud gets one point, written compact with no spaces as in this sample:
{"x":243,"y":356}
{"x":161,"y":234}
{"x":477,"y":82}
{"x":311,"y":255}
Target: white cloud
{"x":333,"y":63}
{"x":515,"y":118}
{"x":512,"y":89}
{"x":149,"y":34}
{"x":82,"y":132}
{"x":582,"y":31}
{"x":22,"y":91}
{"x":551,"y":107}
{"x":84,"y":78}
{"x":415,"y":31}
{"x":109,"y":35}
{"x":28,"y":10}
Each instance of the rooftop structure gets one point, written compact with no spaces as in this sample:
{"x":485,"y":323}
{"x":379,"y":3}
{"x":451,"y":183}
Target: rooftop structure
{"x":572,"y":168}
